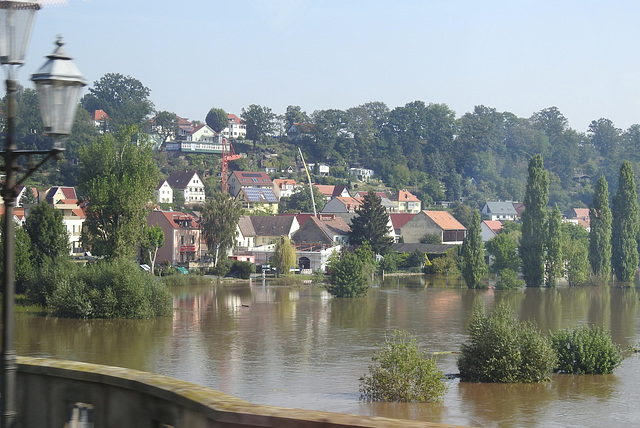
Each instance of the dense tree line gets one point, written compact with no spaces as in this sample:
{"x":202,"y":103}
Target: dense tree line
{"x":481,"y":155}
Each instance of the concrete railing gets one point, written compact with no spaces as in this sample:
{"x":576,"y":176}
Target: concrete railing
{"x":68,"y":394}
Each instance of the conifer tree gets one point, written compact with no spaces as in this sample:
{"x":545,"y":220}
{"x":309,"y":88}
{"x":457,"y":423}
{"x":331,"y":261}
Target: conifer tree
{"x":553,"y":265}
{"x":473,"y":265}
{"x":371,"y":225}
{"x":534,"y":223}
{"x":600,"y":230}
{"x":625,"y":227}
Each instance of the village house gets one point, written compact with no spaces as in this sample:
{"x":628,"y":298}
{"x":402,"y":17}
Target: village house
{"x":285,"y":187}
{"x":163,"y":193}
{"x":439,"y":223}
{"x":340,"y":204}
{"x":502,"y":211}
{"x":100,"y":120}
{"x":181,"y":236}
{"x":259,"y":230}
{"x":236,"y":128}
{"x":248,"y":179}
{"x":579,"y":216}
{"x":65,"y":200}
{"x":362,"y":174}
{"x":489,"y":229}
{"x":258,"y":199}
{"x":189,"y":184}
{"x":406,"y":202}
{"x":330,"y":191}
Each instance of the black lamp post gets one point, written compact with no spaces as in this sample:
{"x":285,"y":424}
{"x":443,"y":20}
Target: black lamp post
{"x":58,"y":83}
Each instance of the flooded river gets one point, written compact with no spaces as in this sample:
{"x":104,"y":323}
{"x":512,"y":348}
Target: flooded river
{"x":295,"y":346}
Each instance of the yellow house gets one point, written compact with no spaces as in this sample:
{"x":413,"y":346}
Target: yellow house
{"x":255,"y":199}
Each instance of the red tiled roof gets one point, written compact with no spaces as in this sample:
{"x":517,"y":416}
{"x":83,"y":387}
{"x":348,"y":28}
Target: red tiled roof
{"x":444,"y":220}
{"x":100,"y":115}
{"x":494,"y":225}
{"x":404,"y":196}
{"x":246,"y":178}
{"x":400,"y":219}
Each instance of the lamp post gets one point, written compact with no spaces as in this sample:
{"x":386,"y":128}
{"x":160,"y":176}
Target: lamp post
{"x":58,"y":83}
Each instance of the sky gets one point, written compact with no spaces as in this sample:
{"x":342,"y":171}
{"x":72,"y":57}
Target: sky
{"x":522,"y":56}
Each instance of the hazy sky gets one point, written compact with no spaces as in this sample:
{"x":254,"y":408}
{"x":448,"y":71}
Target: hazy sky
{"x":520,"y":56}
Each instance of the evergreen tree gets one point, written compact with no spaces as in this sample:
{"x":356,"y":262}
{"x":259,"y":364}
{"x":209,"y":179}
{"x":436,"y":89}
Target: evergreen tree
{"x":625,"y":227}
{"x":600,"y":230}
{"x":47,"y":234}
{"x":553,"y":266}
{"x":534,"y":222}
{"x":370,"y":225}
{"x":473,"y":264}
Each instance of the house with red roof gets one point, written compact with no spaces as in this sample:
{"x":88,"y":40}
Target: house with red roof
{"x":65,"y":200}
{"x":580,"y":216}
{"x":331,"y":191}
{"x":248,"y":179}
{"x":285,"y":187}
{"x":181,"y":236}
{"x":340,"y":204}
{"x":236,"y":127}
{"x":100,"y":120}
{"x":440,"y":223}
{"x":406,"y":202}
{"x":489,"y":229}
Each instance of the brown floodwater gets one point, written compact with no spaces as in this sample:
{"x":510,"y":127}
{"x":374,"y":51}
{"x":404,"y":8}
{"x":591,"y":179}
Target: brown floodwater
{"x":295,"y":346}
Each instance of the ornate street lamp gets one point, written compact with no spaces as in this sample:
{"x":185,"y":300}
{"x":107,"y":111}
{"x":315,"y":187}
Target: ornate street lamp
{"x":58,"y":83}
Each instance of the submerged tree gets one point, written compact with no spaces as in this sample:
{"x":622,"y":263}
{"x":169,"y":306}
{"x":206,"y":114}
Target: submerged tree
{"x":284,"y":255}
{"x":625,"y":225}
{"x":220,"y":217}
{"x":534,"y":223}
{"x":600,"y":230}
{"x":473,"y":265}
{"x":553,"y":245}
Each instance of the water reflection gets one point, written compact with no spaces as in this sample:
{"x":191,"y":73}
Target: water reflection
{"x":295,"y":346}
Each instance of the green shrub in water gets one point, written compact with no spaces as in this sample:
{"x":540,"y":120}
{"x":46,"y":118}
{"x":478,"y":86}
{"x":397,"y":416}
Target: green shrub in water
{"x":109,"y":289}
{"x":503,"y":349}
{"x":585,"y":350}
{"x":402,"y":373}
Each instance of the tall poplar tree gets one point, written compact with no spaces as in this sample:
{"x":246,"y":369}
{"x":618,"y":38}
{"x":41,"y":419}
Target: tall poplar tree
{"x":534,"y":223}
{"x":473,"y":265}
{"x":371,"y":225}
{"x":553,"y":265}
{"x":600,"y":230}
{"x":625,"y":227}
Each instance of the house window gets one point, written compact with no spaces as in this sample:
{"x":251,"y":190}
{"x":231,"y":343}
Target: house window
{"x":182,"y":240}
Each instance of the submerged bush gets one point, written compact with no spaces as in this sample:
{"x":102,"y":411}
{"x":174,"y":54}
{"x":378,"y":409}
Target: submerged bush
{"x":108,"y":289}
{"x":585,"y":350}
{"x":402,"y":373}
{"x":503,"y":349}
{"x":508,"y":280}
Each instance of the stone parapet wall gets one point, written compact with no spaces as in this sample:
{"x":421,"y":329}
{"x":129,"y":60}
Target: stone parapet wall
{"x":59,"y":393}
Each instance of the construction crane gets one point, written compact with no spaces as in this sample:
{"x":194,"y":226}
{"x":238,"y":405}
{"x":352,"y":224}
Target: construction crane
{"x":228,"y":154}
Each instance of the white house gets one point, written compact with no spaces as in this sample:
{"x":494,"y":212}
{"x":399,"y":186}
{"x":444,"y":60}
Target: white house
{"x":501,"y":211}
{"x":190,"y":184}
{"x":236,"y":127}
{"x":361,"y":174}
{"x":164,"y":193}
